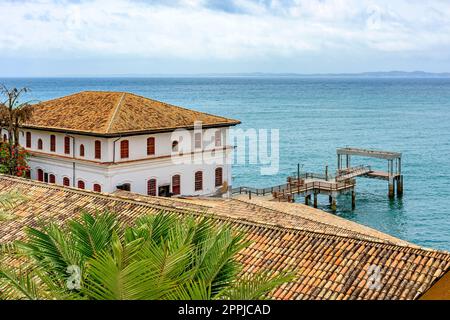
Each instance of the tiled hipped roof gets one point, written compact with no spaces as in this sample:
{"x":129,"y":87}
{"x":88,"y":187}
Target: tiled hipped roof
{"x":331,"y":260}
{"x":115,"y":113}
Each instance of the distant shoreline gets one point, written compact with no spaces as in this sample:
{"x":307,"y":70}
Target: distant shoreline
{"x":389,"y":74}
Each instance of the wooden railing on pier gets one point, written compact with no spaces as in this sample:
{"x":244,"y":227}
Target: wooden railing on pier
{"x":298,"y":186}
{"x":352,"y":172}
{"x":312,"y":184}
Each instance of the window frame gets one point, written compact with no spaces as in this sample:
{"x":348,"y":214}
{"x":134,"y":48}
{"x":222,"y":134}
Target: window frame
{"x":40,"y":175}
{"x":198,"y":180}
{"x":66,"y":179}
{"x":176,"y":187}
{"x":67,"y":145}
{"x":52,"y":143}
{"x":81,"y":183}
{"x":152,"y":184}
{"x":28,"y":139}
{"x":124,"y":149}
{"x":97,"y":187}
{"x":151,"y":146}
{"x":97,"y":149}
{"x":218,"y":180}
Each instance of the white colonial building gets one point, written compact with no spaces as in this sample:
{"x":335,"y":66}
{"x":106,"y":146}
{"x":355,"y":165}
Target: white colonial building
{"x":105,"y":141}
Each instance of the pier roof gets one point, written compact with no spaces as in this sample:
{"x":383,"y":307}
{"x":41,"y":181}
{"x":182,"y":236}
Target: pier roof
{"x":116,"y":113}
{"x":388,"y":155}
{"x":331,"y":260}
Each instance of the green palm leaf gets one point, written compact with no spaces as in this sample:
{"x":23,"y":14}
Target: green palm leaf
{"x":160,"y":257}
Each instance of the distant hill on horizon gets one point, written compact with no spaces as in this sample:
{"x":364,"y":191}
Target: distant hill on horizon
{"x":375,"y":74}
{"x":417,"y":74}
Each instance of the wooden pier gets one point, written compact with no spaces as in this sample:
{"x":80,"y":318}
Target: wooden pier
{"x":310,"y":185}
{"x":394,"y":166}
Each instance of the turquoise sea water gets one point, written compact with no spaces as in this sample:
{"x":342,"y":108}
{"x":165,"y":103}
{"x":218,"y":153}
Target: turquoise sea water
{"x":315,"y":116}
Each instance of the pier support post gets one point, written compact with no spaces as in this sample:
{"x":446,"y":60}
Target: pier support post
{"x":333,"y":202}
{"x":307,"y":199}
{"x":391,"y":188}
{"x":399,"y":186}
{"x":353,"y":199}
{"x":330,"y":199}
{"x":315,"y":199}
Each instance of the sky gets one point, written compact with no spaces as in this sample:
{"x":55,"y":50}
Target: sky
{"x":138,"y":37}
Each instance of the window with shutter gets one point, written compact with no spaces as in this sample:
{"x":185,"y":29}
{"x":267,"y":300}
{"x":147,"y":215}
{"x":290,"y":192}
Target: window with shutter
{"x":81,"y":150}
{"x":98,"y":149}
{"x":176,"y":184}
{"x":81,"y":184}
{"x":52,"y":143}
{"x":67,"y":145}
{"x":40,"y":173}
{"x":28,"y":140}
{"x":52,"y":178}
{"x":151,"y":187}
{"x":124,"y":149}
{"x":39,"y":144}
{"x":66,"y":181}
{"x":97,"y":187}
{"x":150,"y":146}
{"x":219,"y":177}
{"x":198,"y":180}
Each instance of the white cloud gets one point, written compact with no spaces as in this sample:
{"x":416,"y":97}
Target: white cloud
{"x":197,"y":29}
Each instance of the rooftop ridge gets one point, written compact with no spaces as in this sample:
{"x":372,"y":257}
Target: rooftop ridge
{"x":218,"y":217}
{"x":364,"y":236}
{"x":351,"y":233}
{"x":327,"y":266}
{"x":114,"y":113}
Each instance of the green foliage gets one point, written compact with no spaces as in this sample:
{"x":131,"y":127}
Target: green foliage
{"x":7,"y":203}
{"x":14,"y":157}
{"x":160,"y":257}
{"x":13,"y":114}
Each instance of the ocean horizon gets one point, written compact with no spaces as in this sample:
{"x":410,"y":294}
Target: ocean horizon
{"x":316,"y":115}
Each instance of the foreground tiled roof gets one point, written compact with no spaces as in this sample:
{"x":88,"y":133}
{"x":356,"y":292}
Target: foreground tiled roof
{"x":113,"y":113}
{"x":284,"y":215}
{"x":330,"y":261}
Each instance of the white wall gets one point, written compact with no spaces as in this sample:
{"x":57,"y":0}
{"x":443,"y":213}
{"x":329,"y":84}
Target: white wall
{"x":87,"y":141}
{"x":137,"y":169}
{"x":111,"y":146}
{"x":137,"y":174}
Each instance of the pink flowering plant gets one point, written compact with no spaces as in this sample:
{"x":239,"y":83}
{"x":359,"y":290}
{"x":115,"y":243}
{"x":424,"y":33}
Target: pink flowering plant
{"x":21,"y":168}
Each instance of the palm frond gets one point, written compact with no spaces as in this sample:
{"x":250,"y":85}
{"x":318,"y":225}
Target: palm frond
{"x":193,"y":290}
{"x":255,"y":287}
{"x":160,"y":257}
{"x":18,"y":284}
{"x":52,"y":249}
{"x":92,"y":234}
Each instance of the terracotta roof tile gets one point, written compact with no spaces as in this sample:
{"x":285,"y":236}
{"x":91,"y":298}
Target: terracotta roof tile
{"x":115,"y":113}
{"x":330,"y":261}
